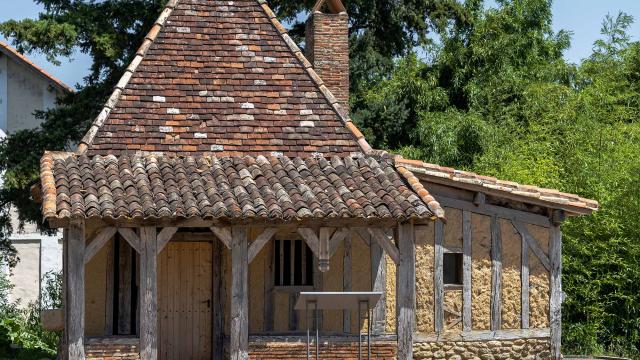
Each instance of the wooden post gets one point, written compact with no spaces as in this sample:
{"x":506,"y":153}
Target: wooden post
{"x":346,"y":282}
{"x":378,"y":283}
{"x":109,"y":296}
{"x":555,"y":303}
{"x":269,"y":278}
{"x":466,"y":270}
{"x":65,"y":307}
{"x":148,"y":294}
{"x":217,"y":276}
{"x":524,"y":283}
{"x":75,"y":290}
{"x":239,"y":344}
{"x":125,"y":287}
{"x":438,"y":282}
{"x":406,"y":291}
{"x":496,"y":274}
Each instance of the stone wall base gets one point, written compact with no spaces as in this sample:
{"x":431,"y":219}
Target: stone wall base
{"x":528,"y":349}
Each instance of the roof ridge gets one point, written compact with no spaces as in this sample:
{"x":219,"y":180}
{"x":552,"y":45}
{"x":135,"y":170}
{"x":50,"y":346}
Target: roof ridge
{"x":21,"y":57}
{"x":124,"y":80}
{"x":333,"y":102}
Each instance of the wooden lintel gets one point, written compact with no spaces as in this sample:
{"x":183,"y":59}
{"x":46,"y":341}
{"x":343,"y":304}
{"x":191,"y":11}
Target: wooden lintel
{"x":533,"y":244}
{"x":164,"y":236}
{"x":386,"y":243}
{"x":260,"y":242}
{"x":132,"y":238}
{"x":483,"y":335}
{"x":98,"y":242}
{"x":223,"y":233}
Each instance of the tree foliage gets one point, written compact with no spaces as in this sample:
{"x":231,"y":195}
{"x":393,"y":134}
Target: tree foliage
{"x":447,"y":81}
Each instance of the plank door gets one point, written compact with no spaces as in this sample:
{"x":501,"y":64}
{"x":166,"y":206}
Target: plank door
{"x":184,"y":301}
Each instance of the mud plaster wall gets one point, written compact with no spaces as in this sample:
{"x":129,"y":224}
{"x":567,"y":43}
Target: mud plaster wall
{"x":511,"y":269}
{"x":538,"y":281}
{"x":424,"y":278}
{"x":480,"y":272}
{"x":96,"y":292}
{"x":453,"y":310}
{"x":360,"y":275}
{"x":332,"y":281}
{"x":453,"y":229}
{"x":391,"y":296}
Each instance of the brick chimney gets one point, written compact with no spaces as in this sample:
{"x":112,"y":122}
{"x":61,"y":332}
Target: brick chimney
{"x":327,"y":46}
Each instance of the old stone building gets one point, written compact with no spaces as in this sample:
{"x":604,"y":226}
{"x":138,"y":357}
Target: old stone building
{"x":224,"y":183}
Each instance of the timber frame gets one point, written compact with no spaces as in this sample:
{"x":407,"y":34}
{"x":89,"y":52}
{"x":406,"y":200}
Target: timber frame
{"x":398,"y":242}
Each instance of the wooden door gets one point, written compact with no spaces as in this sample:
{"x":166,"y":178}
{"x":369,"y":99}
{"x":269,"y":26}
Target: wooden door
{"x":185,"y":301}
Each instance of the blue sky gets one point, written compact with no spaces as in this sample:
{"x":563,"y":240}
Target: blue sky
{"x":583,"y":17}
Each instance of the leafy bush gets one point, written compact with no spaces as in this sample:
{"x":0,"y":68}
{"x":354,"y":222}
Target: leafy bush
{"x":21,"y":334}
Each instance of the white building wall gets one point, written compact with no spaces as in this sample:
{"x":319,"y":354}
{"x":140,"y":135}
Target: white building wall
{"x":22,"y":92}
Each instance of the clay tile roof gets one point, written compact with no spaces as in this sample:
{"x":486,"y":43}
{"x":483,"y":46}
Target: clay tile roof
{"x":573,"y":204}
{"x":222,"y":78}
{"x":13,"y":53}
{"x":144,"y":187}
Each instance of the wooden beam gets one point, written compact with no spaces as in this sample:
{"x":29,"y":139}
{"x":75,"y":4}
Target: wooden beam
{"x":438,"y":283}
{"x":491,"y":210}
{"x":239,"y":333}
{"x":346,"y":283}
{"x":132,"y":238}
{"x":379,"y":284}
{"x":269,"y":276}
{"x":496,"y":274}
{"x":310,"y":237}
{"x":533,"y":244}
{"x":363,"y":234}
{"x":75,"y":290}
{"x":260,"y":241}
{"x":164,"y":236}
{"x":479,"y":198}
{"x":337,"y":237}
{"x":148,"y":294}
{"x":224,"y":234}
{"x":524,"y":283}
{"x":125,"y":288}
{"x":219,"y":299}
{"x":98,"y":243}
{"x":386,"y":242}
{"x":406,"y":290}
{"x":483,"y":335}
{"x":110,"y":289}
{"x":466,"y":270}
{"x":555,"y":302}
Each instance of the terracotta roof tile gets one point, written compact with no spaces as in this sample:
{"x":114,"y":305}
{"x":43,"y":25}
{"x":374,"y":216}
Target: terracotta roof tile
{"x":221,"y":78}
{"x":226,"y":188}
{"x":573,"y":204}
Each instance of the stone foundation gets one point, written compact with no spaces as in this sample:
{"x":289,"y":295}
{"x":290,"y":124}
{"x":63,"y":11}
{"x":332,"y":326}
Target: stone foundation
{"x":528,"y":349}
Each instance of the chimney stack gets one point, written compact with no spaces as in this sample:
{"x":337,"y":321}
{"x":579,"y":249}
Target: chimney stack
{"x":327,"y":46}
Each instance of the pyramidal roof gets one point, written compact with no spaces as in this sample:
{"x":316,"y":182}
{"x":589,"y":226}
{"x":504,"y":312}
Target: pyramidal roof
{"x":221,"y":78}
